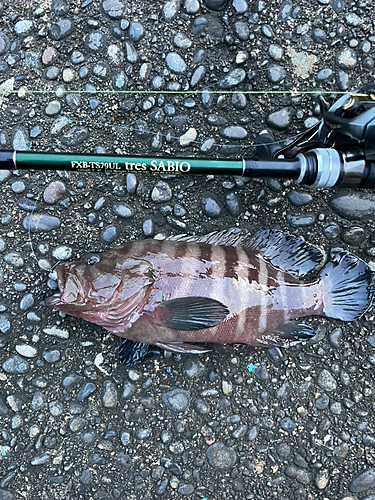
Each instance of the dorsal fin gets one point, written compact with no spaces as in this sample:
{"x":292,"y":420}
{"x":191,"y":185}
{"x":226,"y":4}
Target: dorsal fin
{"x":284,"y":251}
{"x":228,"y":237}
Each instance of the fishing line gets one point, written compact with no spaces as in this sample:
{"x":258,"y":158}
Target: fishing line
{"x":189,"y":93}
{"x":129,"y":127}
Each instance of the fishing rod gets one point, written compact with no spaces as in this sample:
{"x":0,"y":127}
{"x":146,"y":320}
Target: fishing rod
{"x":339,"y":151}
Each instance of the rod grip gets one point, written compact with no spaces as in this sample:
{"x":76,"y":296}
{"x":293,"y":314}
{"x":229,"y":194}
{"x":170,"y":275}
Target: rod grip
{"x":273,"y":168}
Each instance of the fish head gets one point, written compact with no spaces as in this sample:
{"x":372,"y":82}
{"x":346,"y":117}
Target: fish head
{"x":102,"y":284}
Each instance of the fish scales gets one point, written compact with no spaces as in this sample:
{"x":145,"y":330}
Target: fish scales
{"x":222,"y":288}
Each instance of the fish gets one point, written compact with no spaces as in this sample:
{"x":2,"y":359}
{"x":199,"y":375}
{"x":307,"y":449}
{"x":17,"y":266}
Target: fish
{"x":222,"y":287}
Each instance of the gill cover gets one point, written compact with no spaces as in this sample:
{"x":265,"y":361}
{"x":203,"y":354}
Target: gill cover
{"x":104,"y":288}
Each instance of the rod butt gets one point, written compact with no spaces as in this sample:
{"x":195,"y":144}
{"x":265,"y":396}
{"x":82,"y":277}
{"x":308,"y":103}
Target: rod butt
{"x":7,"y":160}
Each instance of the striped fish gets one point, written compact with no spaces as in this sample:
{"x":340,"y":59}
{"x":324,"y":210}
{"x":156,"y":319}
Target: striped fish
{"x":224,"y":287}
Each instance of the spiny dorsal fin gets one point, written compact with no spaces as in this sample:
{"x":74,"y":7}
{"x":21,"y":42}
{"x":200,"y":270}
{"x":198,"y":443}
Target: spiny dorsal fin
{"x":283,"y":250}
{"x":228,"y":237}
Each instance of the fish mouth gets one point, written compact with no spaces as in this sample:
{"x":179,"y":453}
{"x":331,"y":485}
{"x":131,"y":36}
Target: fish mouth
{"x":70,"y":290}
{"x":55,"y":299}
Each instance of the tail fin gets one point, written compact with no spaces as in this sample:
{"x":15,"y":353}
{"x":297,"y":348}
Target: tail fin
{"x":348,"y":287}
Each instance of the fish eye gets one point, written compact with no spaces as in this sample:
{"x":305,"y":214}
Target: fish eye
{"x":93,"y":259}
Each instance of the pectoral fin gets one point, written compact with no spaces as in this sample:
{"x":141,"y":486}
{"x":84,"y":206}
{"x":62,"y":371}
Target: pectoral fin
{"x":181,"y":347}
{"x":191,"y":313}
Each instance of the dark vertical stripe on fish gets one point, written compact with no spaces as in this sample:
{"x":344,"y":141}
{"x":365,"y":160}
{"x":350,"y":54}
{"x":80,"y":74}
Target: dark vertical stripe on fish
{"x":157,"y":245}
{"x":252,"y":314}
{"x":180,"y":250}
{"x":205,"y":264}
{"x":231,"y":262}
{"x":205,"y":257}
{"x":252,"y":271}
{"x":179,"y":255}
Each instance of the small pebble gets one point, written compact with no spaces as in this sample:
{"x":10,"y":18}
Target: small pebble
{"x":261,"y":372}
{"x":211,"y":205}
{"x":300,"y":219}
{"x":108,"y":235}
{"x":335,"y":337}
{"x":51,"y":356}
{"x":322,"y":402}
{"x":15,"y":365}
{"x":86,"y":390}
{"x":233,"y":204}
{"x":287,"y":424}
{"x":176,"y":400}
{"x":275,"y":355}
{"x":299,"y":474}
{"x":14,"y":259}
{"x":326,"y":381}
{"x":188,"y":137}
{"x":197,"y":76}
{"x":161,"y":192}
{"x":122,"y":210}
{"x":26,"y":351}
{"x":53,"y":108}
{"x":27,"y":302}
{"x":56,"y":408}
{"x":128,"y":390}
{"x":109,"y":397}
{"x":148,"y":227}
{"x":41,"y":459}
{"x":233,"y":79}
{"x":233,"y":133}
{"x":227,"y":387}
{"x":54,"y":192}
{"x":175,"y":63}
{"x":363,"y":481}
{"x":280,"y":120}
{"x":354,"y":236}
{"x":170,"y":9}
{"x":220,"y":456}
{"x":299,"y":199}
{"x":193,"y":368}
{"x":62,"y":252}
{"x":40,"y":223}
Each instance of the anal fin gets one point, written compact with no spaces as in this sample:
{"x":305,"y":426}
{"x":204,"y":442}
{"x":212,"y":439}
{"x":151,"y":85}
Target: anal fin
{"x":289,"y":334}
{"x":181,"y":347}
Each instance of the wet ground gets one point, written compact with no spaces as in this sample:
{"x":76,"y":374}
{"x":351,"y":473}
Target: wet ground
{"x":238,"y":422}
